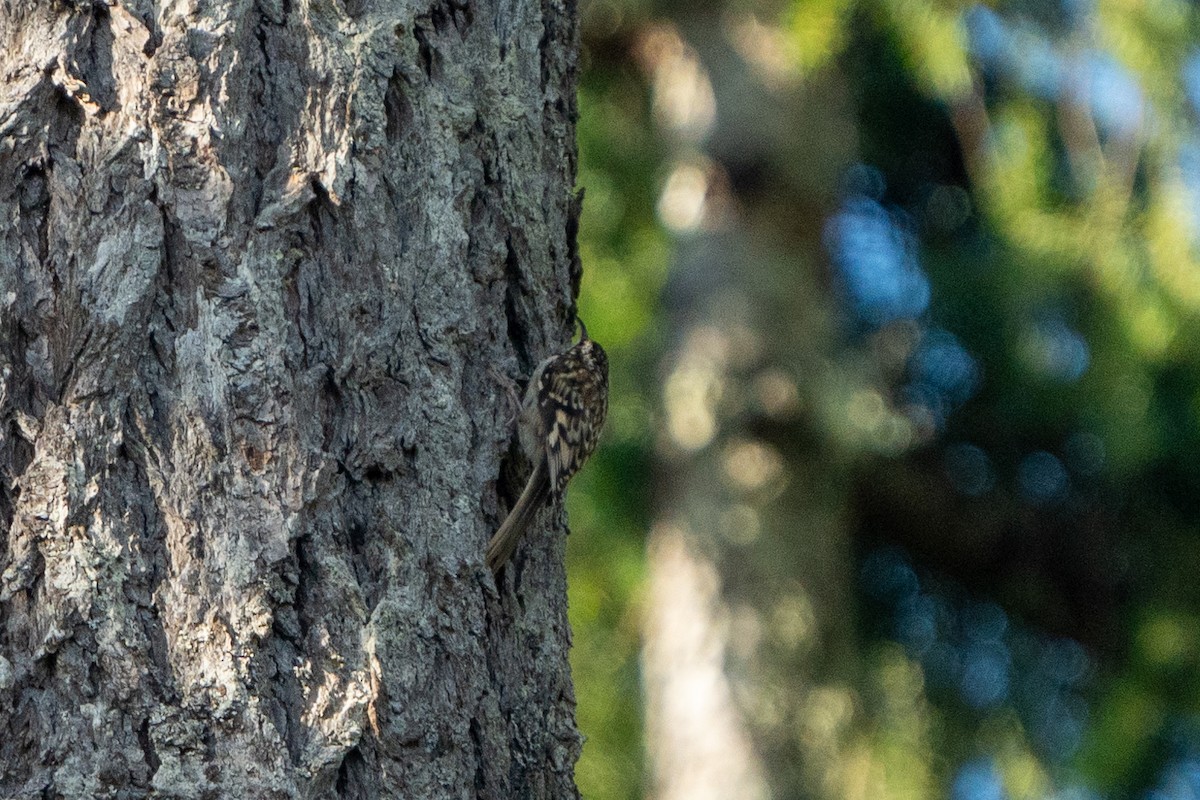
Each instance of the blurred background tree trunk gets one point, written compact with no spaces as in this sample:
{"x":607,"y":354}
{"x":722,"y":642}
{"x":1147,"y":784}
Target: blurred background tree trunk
{"x":263,"y":270}
{"x":752,"y":546}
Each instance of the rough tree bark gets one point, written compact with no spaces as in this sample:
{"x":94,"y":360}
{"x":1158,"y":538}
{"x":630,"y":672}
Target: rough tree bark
{"x":262,"y":268}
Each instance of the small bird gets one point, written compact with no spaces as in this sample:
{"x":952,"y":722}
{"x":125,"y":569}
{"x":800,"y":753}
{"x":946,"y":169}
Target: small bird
{"x":562,"y":413}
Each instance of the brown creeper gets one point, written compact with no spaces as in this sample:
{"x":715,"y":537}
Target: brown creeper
{"x":561,"y":416}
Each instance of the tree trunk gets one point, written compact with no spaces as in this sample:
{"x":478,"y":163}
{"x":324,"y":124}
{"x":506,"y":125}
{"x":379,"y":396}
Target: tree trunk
{"x":751,"y":570}
{"x":263,"y":270}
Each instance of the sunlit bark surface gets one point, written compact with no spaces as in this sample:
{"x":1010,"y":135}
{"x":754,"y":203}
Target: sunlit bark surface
{"x":261,"y":265}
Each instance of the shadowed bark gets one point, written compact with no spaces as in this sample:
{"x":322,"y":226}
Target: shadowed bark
{"x":262,"y":267}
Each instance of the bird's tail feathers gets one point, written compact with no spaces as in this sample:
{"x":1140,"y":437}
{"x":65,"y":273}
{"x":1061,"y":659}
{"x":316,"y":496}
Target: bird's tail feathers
{"x":504,"y":542}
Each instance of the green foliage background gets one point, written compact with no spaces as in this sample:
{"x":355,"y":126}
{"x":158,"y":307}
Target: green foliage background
{"x":1041,"y":161}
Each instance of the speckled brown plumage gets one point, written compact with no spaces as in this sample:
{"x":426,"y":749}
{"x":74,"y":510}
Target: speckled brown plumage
{"x":562,"y":414}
